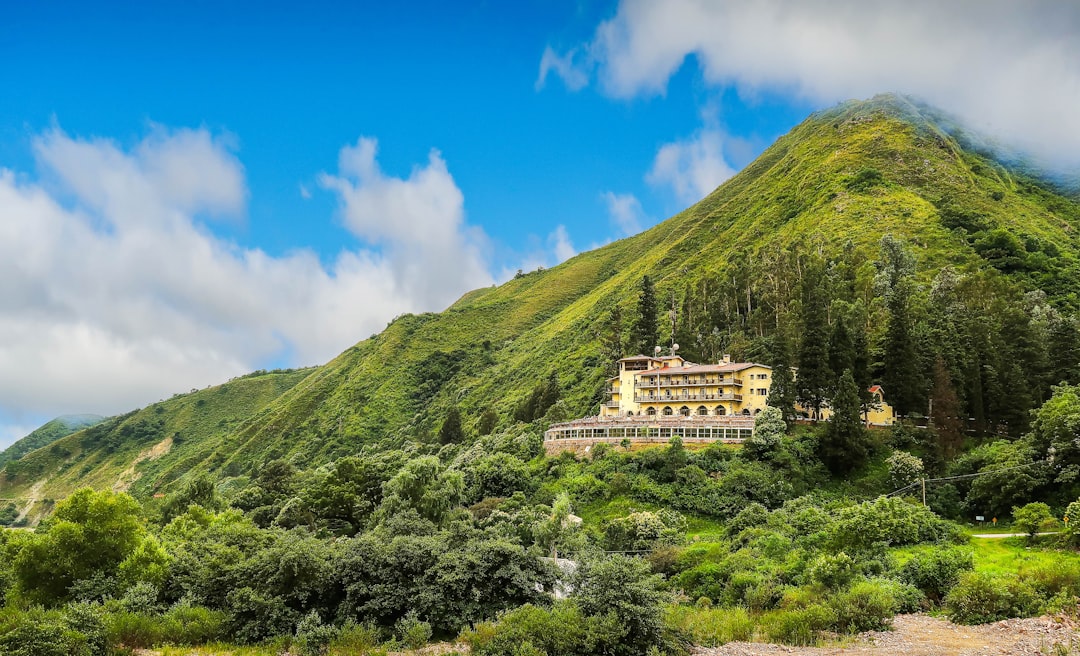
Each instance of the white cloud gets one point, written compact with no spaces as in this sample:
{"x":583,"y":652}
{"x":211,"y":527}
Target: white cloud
{"x":559,"y":242}
{"x":625,"y":212}
{"x":1007,"y":67}
{"x":418,"y":222}
{"x":114,"y":294}
{"x":564,"y":66}
{"x":692,"y":168}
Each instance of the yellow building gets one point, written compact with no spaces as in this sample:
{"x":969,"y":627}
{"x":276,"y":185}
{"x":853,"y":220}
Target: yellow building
{"x":671,"y":386}
{"x":880,"y":413}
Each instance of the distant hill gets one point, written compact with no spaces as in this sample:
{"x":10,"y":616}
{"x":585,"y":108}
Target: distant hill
{"x":47,"y":434}
{"x":830,"y":188}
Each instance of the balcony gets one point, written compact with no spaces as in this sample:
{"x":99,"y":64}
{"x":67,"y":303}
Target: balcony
{"x":611,"y":404}
{"x":688,"y":397}
{"x":693,"y":382}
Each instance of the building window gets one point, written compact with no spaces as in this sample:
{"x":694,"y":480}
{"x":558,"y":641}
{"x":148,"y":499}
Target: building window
{"x":684,"y":411}
{"x":651,"y":412}
{"x":720,"y":411}
{"x":667,"y":411}
{"x":702,"y":411}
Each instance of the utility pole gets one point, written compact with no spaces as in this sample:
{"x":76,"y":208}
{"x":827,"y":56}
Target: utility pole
{"x":923,"y":491}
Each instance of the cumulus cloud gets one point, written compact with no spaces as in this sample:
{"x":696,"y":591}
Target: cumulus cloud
{"x":1006,"y":67}
{"x":625,"y":212}
{"x":692,"y":168}
{"x":114,"y":292}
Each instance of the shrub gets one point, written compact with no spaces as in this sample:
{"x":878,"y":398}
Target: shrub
{"x":800,"y":626}
{"x":936,"y":572}
{"x":712,"y":627}
{"x":904,"y":469}
{"x":412,"y":631}
{"x":313,"y":638}
{"x":832,"y":570}
{"x":1030,"y":517}
{"x":40,"y":633}
{"x":867,"y":605}
{"x":355,"y":638}
{"x":980,"y":597}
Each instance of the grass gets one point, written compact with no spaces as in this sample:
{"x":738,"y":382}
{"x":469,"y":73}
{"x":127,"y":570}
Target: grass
{"x":1002,"y":555}
{"x":797,"y":194}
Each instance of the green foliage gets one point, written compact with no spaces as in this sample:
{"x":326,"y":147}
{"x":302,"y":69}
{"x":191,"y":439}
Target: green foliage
{"x":413,"y":632}
{"x":937,"y":571}
{"x":1030,"y":517}
{"x":644,"y":336}
{"x":91,"y":534}
{"x":844,"y":443}
{"x":904,"y":469}
{"x":982,"y":597}
{"x":890,"y":521}
{"x":40,"y":633}
{"x":424,"y":487}
{"x":451,"y":431}
{"x":539,"y":401}
{"x":769,"y":429}
{"x":313,"y":637}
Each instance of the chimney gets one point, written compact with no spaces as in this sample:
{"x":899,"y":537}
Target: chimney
{"x":727,"y":359}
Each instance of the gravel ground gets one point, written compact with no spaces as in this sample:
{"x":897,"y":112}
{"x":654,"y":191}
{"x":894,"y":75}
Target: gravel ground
{"x":921,"y":635}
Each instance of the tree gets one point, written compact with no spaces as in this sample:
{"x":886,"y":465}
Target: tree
{"x":782,"y":388}
{"x":626,"y":590}
{"x":814,"y":380}
{"x":424,"y":486}
{"x":844,"y":444}
{"x":644,"y":335}
{"x":90,"y":534}
{"x":945,"y":411}
{"x":451,"y":431}
{"x":1030,"y":517}
{"x":769,"y":429}
{"x":841,"y":349}
{"x":896,"y":267}
{"x":200,"y":491}
{"x":612,"y":345}
{"x":488,"y":420}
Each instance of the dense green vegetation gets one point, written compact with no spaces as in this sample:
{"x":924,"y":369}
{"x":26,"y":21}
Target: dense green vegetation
{"x":47,"y":434}
{"x":400,"y":492}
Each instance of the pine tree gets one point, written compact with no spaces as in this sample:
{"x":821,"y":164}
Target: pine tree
{"x":844,"y":444}
{"x":841,"y":349}
{"x":1064,"y":344}
{"x":488,"y":421}
{"x":611,"y":338}
{"x":861,"y":365}
{"x":644,"y":335}
{"x":945,"y":411}
{"x":451,"y":431}
{"x":814,"y":380}
{"x":901,"y":364}
{"x":782,"y":386}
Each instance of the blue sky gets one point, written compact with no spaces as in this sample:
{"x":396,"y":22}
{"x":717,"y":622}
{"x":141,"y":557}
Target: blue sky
{"x":193,"y":190}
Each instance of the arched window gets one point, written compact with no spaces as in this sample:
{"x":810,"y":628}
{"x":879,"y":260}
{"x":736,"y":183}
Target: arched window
{"x":702,"y":411}
{"x":720,"y":411}
{"x":651,"y":412}
{"x":684,"y":411}
{"x":667,"y":410}
{"x":757,"y":412}
{"x":746,"y":412}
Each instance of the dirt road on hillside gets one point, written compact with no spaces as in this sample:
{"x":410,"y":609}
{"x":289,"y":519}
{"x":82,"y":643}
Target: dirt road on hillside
{"x":921,"y":635}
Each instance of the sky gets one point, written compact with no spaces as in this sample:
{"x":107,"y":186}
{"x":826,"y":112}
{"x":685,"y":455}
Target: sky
{"x":191,"y":191}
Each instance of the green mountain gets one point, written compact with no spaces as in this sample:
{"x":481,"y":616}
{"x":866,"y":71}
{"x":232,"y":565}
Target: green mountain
{"x":47,"y":434}
{"x":729,"y":267}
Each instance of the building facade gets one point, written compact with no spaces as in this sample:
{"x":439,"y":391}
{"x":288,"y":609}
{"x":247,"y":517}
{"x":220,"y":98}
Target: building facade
{"x":670,"y":386}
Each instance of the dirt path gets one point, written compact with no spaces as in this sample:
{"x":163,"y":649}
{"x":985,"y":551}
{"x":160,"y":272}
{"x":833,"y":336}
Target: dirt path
{"x":921,"y":635}
{"x":128,"y":477}
{"x":34,"y":495}
{"x":1008,"y":535}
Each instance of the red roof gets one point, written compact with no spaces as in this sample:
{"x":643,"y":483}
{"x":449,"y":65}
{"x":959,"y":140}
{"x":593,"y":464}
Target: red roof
{"x":874,"y":389}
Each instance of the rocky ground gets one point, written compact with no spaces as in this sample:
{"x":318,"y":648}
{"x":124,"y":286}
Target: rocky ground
{"x":921,"y":635}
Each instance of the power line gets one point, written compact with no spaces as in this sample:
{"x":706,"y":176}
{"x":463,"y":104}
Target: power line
{"x":943,"y":479}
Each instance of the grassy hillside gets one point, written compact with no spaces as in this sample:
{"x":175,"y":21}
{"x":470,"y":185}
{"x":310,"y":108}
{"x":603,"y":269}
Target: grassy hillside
{"x":47,"y":434}
{"x":144,"y":450}
{"x":833,"y":185}
{"x":838,"y":182}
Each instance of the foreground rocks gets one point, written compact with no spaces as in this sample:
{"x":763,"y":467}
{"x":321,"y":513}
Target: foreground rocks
{"x":922,"y":635}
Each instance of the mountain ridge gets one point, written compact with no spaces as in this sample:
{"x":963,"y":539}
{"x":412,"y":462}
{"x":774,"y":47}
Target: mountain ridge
{"x":831,"y":187}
